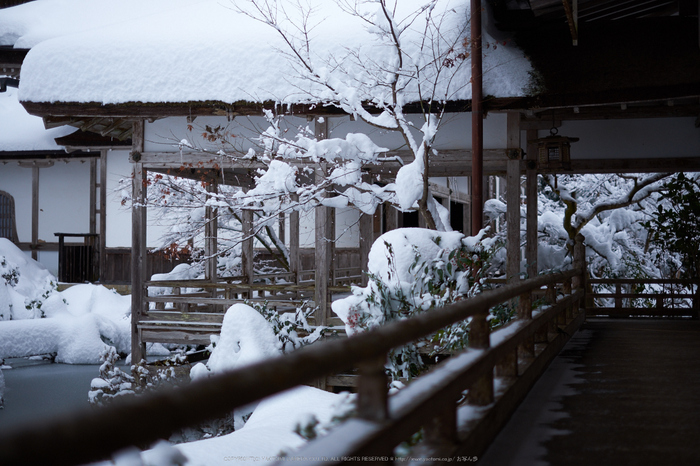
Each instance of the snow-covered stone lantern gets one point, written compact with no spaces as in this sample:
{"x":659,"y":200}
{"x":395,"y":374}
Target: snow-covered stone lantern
{"x":553,"y":151}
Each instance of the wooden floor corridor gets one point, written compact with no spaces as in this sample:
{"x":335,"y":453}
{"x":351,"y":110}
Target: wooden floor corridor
{"x":622,"y":392}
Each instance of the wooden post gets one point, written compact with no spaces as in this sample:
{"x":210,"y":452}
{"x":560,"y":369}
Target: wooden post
{"x":211,"y":237}
{"x":567,"y":291}
{"x":138,"y":244}
{"x":281,"y":227}
{"x":323,"y":237}
{"x":481,"y":393}
{"x":366,"y":240}
{"x":247,"y":248}
{"x":372,"y":390}
{"x":531,"y":199}
{"x":513,"y":220}
{"x":103,"y":213}
{"x":442,"y":429}
{"x":525,"y":313}
{"x":35,"y":211}
{"x":294,"y":265}
{"x":392,"y":217}
{"x":477,"y":118}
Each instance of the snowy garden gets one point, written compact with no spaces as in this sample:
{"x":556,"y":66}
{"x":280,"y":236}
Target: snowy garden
{"x":238,"y":175}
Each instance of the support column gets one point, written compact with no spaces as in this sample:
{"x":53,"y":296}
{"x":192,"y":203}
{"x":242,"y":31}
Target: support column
{"x":513,"y":198}
{"x":35,"y":211}
{"x":294,"y":265}
{"x":138,"y":244}
{"x":103,"y":213}
{"x":477,"y":120}
{"x":211,"y":227}
{"x":366,"y":240}
{"x":323,"y":224}
{"x":247,"y":252}
{"x":531,"y":196}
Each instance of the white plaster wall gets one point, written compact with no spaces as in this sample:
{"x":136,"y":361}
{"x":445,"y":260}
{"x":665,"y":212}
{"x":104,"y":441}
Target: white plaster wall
{"x":455,"y":132}
{"x":64,"y":200}
{"x":118,"y":228}
{"x":17,"y":181}
{"x":639,"y":138}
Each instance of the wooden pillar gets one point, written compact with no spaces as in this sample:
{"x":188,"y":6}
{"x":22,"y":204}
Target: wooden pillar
{"x":282,"y":227}
{"x":211,"y":235}
{"x":392,"y":217}
{"x":93,"y":196}
{"x":513,"y":198}
{"x":35,"y":211}
{"x":531,"y":199}
{"x":477,"y":119}
{"x":247,"y":251}
{"x":103,"y":213}
{"x":323,"y":224}
{"x":481,"y":393}
{"x":294,"y":265}
{"x":138,"y":244}
{"x":366,"y":240}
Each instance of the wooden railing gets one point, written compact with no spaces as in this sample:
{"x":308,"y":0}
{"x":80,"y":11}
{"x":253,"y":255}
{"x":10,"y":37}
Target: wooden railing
{"x":194,"y":309}
{"x":517,"y":354}
{"x":643,"y":298}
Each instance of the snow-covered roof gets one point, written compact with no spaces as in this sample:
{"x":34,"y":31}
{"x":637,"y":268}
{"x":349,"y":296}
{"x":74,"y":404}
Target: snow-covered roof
{"x":20,"y":131}
{"x":165,"y":51}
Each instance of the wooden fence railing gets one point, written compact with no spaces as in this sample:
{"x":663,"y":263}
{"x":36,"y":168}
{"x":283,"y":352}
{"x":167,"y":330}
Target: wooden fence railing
{"x":517,"y":354}
{"x":642,"y":298}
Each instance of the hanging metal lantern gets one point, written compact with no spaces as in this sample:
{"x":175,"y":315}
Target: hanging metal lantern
{"x":554,"y":152}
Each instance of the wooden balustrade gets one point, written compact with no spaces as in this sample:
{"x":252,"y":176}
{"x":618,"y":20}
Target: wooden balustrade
{"x":383,"y":422}
{"x":633,"y":297}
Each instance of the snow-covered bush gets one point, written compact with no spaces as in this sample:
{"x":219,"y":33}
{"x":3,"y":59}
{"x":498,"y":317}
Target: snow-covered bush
{"x":291,"y":328}
{"x":413,"y":270}
{"x":24,"y":284}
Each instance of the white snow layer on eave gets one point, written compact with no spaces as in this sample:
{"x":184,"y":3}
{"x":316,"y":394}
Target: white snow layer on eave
{"x":26,"y":25}
{"x":209,"y":52}
{"x":21,"y":131}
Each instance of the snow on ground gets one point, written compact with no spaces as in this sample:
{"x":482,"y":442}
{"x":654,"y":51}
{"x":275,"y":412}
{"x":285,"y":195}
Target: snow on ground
{"x":76,"y":324}
{"x":268,"y":433}
{"x":183,"y":52}
{"x":22,"y":131}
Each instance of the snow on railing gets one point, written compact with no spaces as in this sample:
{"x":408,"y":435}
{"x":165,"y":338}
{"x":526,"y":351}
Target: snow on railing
{"x":517,"y":354}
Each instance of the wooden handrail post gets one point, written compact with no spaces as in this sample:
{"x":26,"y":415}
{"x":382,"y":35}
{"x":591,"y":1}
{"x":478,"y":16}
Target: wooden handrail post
{"x":372,"y":390}
{"x":579,"y":263}
{"x":481,"y":393}
{"x":550,"y":297}
{"x":442,"y":429}
{"x":525,"y":313}
{"x":567,"y":288}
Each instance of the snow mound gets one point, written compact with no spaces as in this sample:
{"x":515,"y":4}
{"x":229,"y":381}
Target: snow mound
{"x":246,"y":337}
{"x":24,"y":283}
{"x":268,"y":432}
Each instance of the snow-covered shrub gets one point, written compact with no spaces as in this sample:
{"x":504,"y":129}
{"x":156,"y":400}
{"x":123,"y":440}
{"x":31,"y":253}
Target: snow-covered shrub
{"x":24,"y":284}
{"x":413,"y":270}
{"x":311,"y":427}
{"x":291,"y":328}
